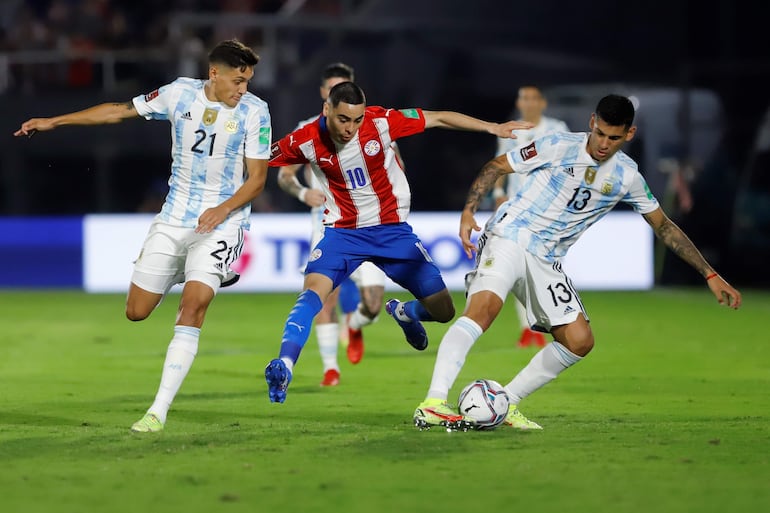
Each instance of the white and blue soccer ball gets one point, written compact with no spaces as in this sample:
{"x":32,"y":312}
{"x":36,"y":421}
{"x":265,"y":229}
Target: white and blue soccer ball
{"x":485,"y":402}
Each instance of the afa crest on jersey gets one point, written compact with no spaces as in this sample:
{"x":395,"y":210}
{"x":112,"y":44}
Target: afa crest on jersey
{"x":231,"y":126}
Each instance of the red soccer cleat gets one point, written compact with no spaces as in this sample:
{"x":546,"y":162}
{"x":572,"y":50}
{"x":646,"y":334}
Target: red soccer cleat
{"x":355,"y":345}
{"x":529,"y":337}
{"x":331,"y":378}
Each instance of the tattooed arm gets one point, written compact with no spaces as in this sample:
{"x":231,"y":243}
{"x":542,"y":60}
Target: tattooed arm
{"x":678,"y":242}
{"x":102,"y":114}
{"x":483,"y":183}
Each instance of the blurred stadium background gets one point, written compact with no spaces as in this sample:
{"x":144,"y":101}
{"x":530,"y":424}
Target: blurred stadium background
{"x":698,"y":70}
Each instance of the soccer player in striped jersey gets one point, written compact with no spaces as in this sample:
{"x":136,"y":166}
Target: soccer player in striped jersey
{"x":367,"y":203}
{"x":568,"y":182}
{"x":360,"y":309}
{"x":530,"y":103}
{"x":221,"y":136}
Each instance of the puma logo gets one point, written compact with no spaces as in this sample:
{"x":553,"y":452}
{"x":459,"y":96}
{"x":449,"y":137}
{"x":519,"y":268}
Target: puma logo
{"x":299,"y":328}
{"x":291,"y":139}
{"x":329,"y":160}
{"x":469,"y":408}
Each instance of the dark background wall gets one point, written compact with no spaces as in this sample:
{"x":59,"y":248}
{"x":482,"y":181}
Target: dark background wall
{"x":62,"y":55}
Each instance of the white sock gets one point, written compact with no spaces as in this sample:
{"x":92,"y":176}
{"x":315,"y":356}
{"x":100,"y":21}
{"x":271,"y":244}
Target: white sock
{"x":521,"y":310}
{"x":450,"y":358}
{"x":179,"y":358}
{"x":328,"y":335}
{"x":543,"y":368}
{"x":358,"y":320}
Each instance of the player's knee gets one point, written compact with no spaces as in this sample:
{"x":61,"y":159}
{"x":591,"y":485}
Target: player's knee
{"x":583,"y":343}
{"x":136,"y":313}
{"x":372,"y":301}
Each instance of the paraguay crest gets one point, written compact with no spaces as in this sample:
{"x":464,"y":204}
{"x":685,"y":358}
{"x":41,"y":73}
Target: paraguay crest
{"x":590,"y":175}
{"x":372,"y":148}
{"x":209,"y":116}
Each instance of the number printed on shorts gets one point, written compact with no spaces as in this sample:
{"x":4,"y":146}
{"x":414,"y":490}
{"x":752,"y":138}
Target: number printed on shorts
{"x":560,"y":293}
{"x":217,"y":253}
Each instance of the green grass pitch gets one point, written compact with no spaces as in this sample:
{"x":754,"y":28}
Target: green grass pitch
{"x":670,"y":413}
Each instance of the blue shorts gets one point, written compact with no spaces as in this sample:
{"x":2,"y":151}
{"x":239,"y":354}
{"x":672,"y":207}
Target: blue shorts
{"x":394,"y":248}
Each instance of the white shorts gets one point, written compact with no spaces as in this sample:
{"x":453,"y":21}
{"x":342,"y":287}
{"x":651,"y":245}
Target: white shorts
{"x":368,"y":275}
{"x":502,"y":266}
{"x":172,"y":254}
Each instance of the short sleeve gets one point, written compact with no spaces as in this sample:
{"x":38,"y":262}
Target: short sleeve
{"x":404,"y":122}
{"x":155,"y":104}
{"x":535,"y":155}
{"x":640,"y":197}
{"x":286,"y":151}
{"x":259,"y":135}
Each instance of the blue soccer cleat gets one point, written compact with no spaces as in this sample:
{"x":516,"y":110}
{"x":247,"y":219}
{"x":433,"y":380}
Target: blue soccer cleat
{"x":413,"y":330}
{"x":278,"y":377}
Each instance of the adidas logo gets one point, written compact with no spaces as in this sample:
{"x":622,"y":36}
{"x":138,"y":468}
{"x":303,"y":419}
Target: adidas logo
{"x":568,"y":310}
{"x":186,"y":116}
{"x":569,"y":171}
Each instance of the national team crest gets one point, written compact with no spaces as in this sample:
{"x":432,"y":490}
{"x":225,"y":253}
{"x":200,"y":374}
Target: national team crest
{"x":590,"y":175}
{"x":372,"y":148}
{"x":231,"y":125}
{"x":209,"y":116}
{"x":607,"y":188}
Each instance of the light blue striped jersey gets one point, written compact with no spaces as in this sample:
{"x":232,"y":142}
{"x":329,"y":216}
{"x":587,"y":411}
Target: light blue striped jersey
{"x":563,"y":191}
{"x":209,"y":143}
{"x":524,"y":137}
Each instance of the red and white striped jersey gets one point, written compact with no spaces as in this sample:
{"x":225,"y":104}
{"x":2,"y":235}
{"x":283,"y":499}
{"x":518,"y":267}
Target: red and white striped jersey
{"x":362,"y":179}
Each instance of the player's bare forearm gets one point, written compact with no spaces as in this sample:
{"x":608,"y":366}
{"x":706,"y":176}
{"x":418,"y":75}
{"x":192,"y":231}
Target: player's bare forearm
{"x":251,"y":188}
{"x":458,"y":121}
{"x":676,"y":240}
{"x":484,"y":182}
{"x":287,"y":180}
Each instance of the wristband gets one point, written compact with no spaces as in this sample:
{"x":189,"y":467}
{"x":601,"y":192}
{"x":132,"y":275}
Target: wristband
{"x":302,"y":193}
{"x":712,"y":275}
{"x":498,"y":193}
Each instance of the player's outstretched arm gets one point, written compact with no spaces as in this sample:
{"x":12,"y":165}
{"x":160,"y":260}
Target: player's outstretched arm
{"x":251,"y":188}
{"x":102,"y":114}
{"x":288,"y":182}
{"x":457,"y":121}
{"x":676,"y":240}
{"x":483,"y":183}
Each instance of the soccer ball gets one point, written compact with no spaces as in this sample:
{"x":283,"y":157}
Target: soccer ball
{"x":485,"y":402}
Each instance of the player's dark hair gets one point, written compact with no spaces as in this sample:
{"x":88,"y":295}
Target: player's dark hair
{"x":616,"y":110}
{"x":233,"y":53}
{"x":347,"y":92}
{"x":337,"y":70}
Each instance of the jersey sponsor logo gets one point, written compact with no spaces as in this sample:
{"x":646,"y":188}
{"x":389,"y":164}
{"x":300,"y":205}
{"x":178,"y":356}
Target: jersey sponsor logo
{"x":209,"y":116}
{"x":529,"y":151}
{"x":372,"y":148}
{"x":410,"y":113}
{"x":231,"y":126}
{"x":315,"y":255}
{"x":607,"y":188}
{"x":186,"y":116}
{"x":151,"y":95}
{"x":590,"y":175}
{"x":329,"y":160}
